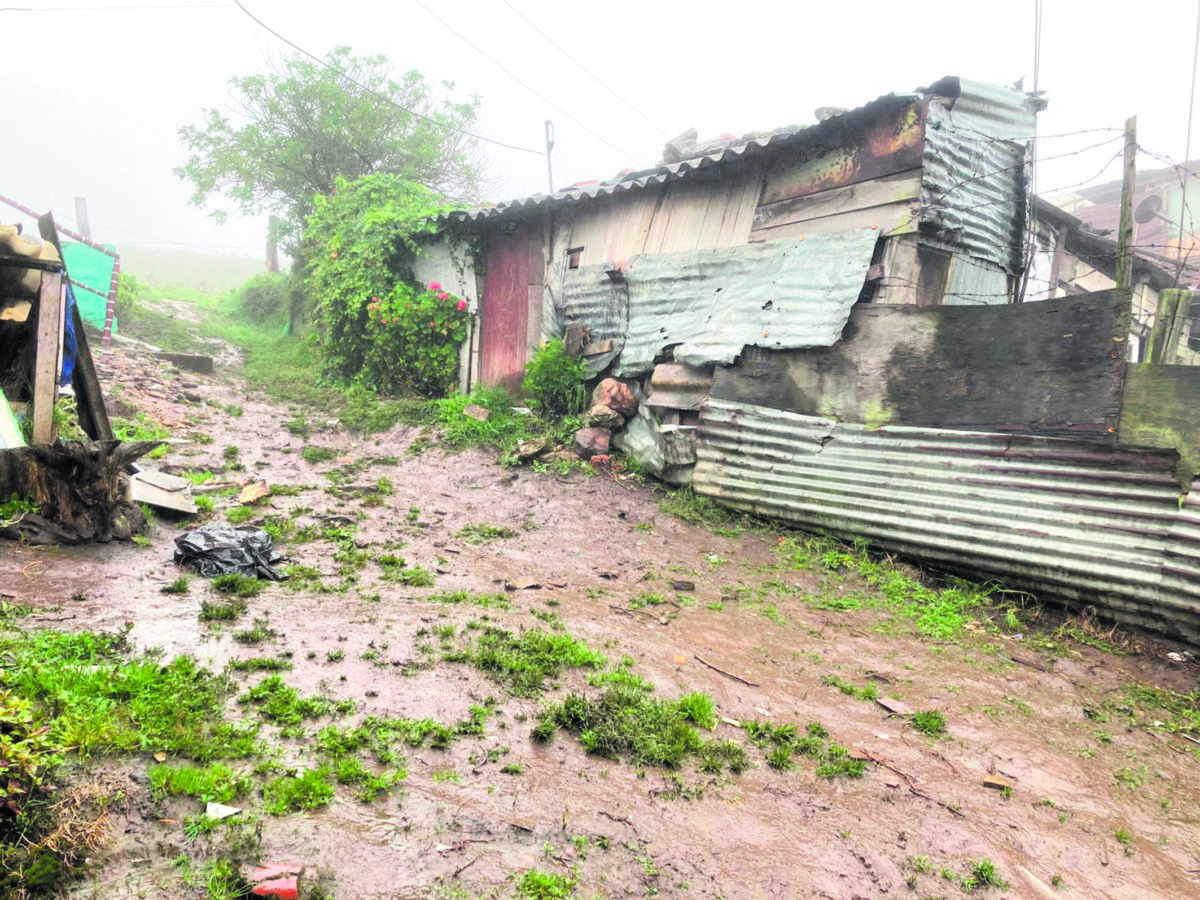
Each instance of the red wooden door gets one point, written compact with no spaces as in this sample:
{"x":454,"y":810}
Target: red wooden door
{"x":505,"y":311}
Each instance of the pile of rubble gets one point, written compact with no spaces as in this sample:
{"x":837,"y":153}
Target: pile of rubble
{"x":613,"y":404}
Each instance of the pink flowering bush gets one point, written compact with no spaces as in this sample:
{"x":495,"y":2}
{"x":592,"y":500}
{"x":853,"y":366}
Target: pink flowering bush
{"x":414,"y":339}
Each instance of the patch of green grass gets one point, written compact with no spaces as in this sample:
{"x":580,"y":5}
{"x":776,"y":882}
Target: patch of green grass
{"x":201,"y":438}
{"x":512,"y":769}
{"x":314,"y":455}
{"x":230,"y":454}
{"x":238,"y":585}
{"x":487,"y":601}
{"x":222,"y":612}
{"x":142,"y":541}
{"x":523,"y":662}
{"x":689,"y":506}
{"x":212,"y":783}
{"x":178,"y":586}
{"x":198,"y":477}
{"x":106,"y":699}
{"x":205,"y":504}
{"x":260,"y":664}
{"x":447,"y":775}
{"x":394,"y":569}
{"x":239,"y":514}
{"x":641,"y":601}
{"x":234,"y":411}
{"x":983,"y":874}
{"x":261,"y":631}
{"x":626,"y":724}
{"x":284,"y":705}
{"x":868,"y":691}
{"x":141,"y":428}
{"x":931,"y":722}
{"x":538,"y":885}
{"x":310,"y":789}
{"x":481,"y":533}
{"x":368,"y":784}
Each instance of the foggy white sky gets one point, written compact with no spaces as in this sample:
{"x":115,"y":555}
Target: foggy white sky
{"x":102,"y":92}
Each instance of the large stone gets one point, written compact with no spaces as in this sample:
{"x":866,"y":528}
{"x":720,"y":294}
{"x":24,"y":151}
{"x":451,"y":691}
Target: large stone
{"x":590,"y":442}
{"x":602,"y":416}
{"x":533,"y":448}
{"x":615,"y":395}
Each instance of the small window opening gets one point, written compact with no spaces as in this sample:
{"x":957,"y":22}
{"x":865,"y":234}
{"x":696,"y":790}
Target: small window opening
{"x":573,"y":256}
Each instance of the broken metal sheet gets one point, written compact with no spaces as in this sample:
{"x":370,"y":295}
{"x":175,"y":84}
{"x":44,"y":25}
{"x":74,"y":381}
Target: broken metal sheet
{"x":710,"y":304}
{"x":161,"y":490}
{"x":590,"y":297}
{"x":973,"y":182}
{"x":679,"y":386}
{"x":974,"y":282}
{"x":1096,"y":525}
{"x":991,"y":110}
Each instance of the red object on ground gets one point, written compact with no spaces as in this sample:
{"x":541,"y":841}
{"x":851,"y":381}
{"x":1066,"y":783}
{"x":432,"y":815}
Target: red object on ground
{"x":286,"y":888}
{"x":275,"y":870}
{"x":601,"y":460}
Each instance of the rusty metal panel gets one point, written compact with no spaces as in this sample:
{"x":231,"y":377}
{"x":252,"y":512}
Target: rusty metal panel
{"x":880,"y":139}
{"x":709,"y":304}
{"x":1096,"y":525}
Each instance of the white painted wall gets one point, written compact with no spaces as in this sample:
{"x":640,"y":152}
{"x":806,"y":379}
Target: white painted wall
{"x":448,"y":261}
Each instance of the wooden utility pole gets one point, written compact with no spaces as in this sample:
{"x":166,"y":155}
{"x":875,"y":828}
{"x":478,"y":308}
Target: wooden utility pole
{"x":1128,"y":186}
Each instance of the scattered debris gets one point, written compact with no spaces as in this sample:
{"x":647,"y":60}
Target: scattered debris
{"x":161,"y":490}
{"x":996,"y":783}
{"x":253,"y":492}
{"x":220,"y":811}
{"x":532,"y":449}
{"x":616,"y":396}
{"x":684,"y":586}
{"x":704,"y":661}
{"x":894,"y":706}
{"x":476,"y":412}
{"x":601,"y":416}
{"x":228,"y":550}
{"x":590,"y":442}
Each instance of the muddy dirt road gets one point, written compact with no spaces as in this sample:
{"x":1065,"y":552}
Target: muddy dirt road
{"x":1101,"y":801}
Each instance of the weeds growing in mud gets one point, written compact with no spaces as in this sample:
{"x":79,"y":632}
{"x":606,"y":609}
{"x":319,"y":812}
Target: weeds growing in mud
{"x":524,"y":662}
{"x":215,"y":782}
{"x":784,"y":742}
{"x":238,"y":585}
{"x":931,"y":722}
{"x":315,"y":455}
{"x":279,"y":703}
{"x":868,"y":691}
{"x":262,"y":631}
{"x":482,"y":533}
{"x":309,"y":789}
{"x":178,"y":586}
{"x":260,"y":664}
{"x":538,"y":885}
{"x":222,"y":612}
{"x":239,"y":515}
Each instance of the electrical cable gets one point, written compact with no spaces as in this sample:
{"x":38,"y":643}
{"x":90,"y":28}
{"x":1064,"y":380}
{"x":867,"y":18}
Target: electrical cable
{"x":376,"y":94}
{"x":585,"y":69}
{"x":523,"y":84}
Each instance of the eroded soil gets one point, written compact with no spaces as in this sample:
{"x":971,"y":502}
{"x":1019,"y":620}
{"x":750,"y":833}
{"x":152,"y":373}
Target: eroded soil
{"x":591,"y":544}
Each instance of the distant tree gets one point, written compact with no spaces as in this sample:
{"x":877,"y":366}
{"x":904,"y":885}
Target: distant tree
{"x":300,"y":126}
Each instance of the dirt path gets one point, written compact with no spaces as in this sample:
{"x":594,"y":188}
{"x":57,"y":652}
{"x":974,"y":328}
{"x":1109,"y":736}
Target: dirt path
{"x":1059,"y":727}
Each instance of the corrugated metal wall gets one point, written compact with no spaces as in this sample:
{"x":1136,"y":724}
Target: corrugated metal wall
{"x":1100,"y":526}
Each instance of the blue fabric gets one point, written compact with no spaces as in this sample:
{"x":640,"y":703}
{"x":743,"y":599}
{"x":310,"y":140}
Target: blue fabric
{"x":69,"y":345}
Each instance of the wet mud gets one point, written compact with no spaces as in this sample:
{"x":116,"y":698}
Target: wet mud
{"x":1012,"y":713}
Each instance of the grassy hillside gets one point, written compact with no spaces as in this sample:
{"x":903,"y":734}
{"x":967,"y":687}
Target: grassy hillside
{"x":208,"y":273}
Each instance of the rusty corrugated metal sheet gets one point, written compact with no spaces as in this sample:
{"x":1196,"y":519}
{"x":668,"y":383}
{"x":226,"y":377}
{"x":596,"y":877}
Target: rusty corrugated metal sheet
{"x":709,"y":304}
{"x":990,"y":110}
{"x":1098,"y":525}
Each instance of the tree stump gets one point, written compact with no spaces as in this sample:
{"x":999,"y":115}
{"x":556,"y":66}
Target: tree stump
{"x":77,"y":485}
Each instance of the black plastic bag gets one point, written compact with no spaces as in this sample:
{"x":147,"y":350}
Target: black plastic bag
{"x":225,"y":550}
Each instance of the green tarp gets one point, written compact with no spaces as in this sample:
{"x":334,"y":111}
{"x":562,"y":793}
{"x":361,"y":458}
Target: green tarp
{"x":93,"y":268}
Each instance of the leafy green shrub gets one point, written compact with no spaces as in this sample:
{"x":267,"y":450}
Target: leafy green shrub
{"x":264,"y":297}
{"x":360,"y":241}
{"x":554,"y":381}
{"x":413,"y":340}
{"x":27,"y":754}
{"x":129,"y":289}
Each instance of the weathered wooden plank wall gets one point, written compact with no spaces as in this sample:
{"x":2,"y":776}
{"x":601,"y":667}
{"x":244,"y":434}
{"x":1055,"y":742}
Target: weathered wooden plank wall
{"x":1050,"y":368}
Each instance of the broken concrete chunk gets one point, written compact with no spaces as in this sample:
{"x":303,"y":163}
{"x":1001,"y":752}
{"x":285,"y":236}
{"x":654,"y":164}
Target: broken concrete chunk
{"x":532,"y":449}
{"x":220,"y":811}
{"x":894,"y":706}
{"x":592,"y":441}
{"x":476,"y":412}
{"x":615,"y":395}
{"x":996,"y":783}
{"x":602,"y":416}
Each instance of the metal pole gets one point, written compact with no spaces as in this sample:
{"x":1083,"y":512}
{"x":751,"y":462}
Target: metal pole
{"x":81,"y":217}
{"x":1129,"y":185}
{"x":549,"y":147}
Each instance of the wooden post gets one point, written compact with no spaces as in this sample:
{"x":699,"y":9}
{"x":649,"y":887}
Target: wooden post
{"x":1128,"y":186}
{"x":47,"y":367}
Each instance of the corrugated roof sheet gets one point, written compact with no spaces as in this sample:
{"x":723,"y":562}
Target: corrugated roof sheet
{"x":709,"y":304}
{"x":685,"y":169}
{"x":1094,"y":524}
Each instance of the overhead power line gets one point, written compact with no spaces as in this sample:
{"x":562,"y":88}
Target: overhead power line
{"x":596,"y":78}
{"x":374,"y":93}
{"x":115,"y":8}
{"x":523,"y":84}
